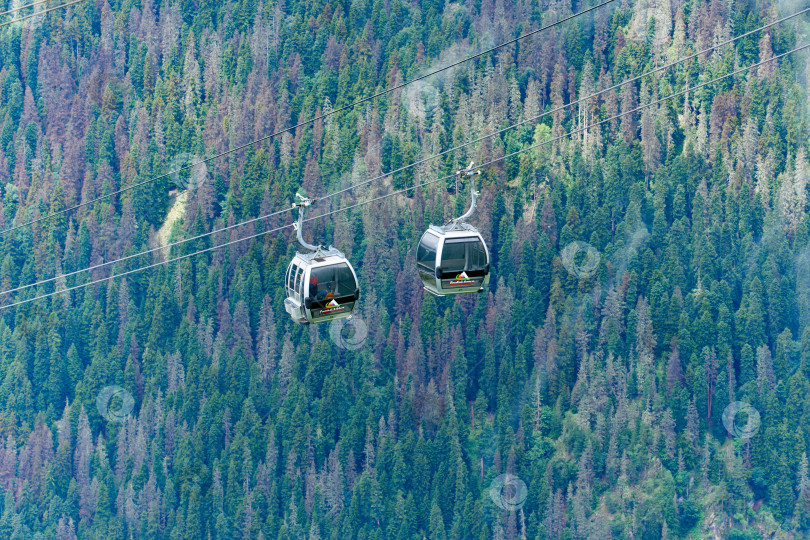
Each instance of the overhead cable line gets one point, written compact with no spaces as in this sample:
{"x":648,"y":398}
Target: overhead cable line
{"x":414,"y":164}
{"x":43,"y":12}
{"x":147,"y":251}
{"x":375,"y":199}
{"x":300,"y":124}
{"x":14,"y":10}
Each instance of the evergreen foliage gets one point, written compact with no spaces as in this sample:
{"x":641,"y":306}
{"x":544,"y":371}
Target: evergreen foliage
{"x":603,"y":391}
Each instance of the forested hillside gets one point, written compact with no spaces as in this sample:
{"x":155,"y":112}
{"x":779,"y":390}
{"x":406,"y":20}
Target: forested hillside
{"x":604,"y":379}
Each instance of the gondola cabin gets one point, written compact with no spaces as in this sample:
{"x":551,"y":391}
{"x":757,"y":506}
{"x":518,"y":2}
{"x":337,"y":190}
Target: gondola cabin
{"x":453,"y":259}
{"x":320,"y":287}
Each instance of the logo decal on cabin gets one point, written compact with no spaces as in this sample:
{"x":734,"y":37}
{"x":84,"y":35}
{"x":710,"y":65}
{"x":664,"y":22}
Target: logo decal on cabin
{"x":462,"y":279}
{"x":332,"y":307}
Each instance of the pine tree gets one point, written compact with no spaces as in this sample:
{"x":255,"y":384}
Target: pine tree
{"x":747,"y":370}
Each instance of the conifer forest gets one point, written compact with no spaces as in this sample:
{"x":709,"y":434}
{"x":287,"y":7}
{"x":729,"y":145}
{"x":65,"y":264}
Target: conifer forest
{"x":636,"y":367}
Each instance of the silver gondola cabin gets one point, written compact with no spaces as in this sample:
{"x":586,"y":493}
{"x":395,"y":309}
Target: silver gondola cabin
{"x":321,"y":286}
{"x":453,"y":258}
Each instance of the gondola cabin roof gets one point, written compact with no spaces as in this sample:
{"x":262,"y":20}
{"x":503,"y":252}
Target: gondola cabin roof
{"x":454,"y":230}
{"x":321,"y":257}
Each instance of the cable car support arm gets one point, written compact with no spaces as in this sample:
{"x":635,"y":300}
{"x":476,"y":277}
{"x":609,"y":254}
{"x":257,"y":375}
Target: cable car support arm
{"x":468,"y":172}
{"x":301,"y":205}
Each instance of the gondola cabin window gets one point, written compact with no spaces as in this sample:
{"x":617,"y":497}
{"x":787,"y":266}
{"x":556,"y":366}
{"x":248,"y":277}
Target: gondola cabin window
{"x":299,"y":275}
{"x":426,"y":254}
{"x":334,"y":281}
{"x":463,"y":254}
{"x":293,"y":279}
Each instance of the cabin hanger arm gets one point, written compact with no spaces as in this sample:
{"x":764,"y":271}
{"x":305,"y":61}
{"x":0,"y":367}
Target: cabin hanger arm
{"x":304,"y":202}
{"x":468,"y":172}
